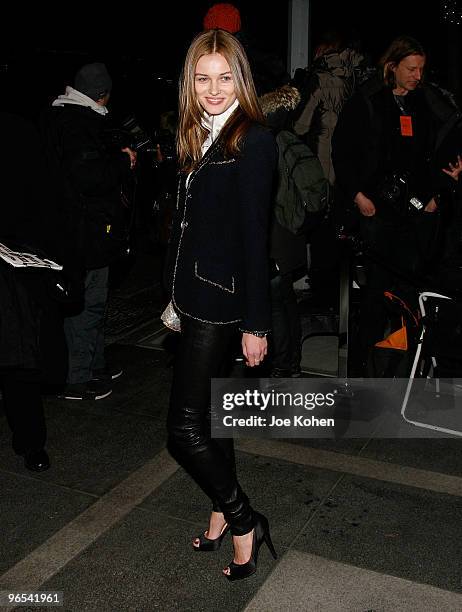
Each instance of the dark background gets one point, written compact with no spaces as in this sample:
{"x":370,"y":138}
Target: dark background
{"x":143,"y":44}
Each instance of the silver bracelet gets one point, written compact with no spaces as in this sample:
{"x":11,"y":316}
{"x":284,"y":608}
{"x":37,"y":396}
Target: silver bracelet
{"x":258,"y":334}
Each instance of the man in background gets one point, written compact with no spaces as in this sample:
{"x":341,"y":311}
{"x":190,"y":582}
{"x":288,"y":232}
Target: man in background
{"x":88,"y":173}
{"x":32,"y":344}
{"x":383,"y":151}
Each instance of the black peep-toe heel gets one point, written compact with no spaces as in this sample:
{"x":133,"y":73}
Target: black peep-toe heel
{"x":208,"y":545}
{"x":261,"y":533}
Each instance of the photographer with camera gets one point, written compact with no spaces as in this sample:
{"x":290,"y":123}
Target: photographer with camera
{"x":383,"y":151}
{"x":88,"y":171}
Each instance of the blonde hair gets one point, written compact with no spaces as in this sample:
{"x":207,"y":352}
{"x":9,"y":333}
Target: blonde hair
{"x":191,"y":134}
{"x":399,"y":49}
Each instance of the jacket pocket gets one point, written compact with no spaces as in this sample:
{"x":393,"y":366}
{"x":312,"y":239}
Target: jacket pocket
{"x":212,"y":277}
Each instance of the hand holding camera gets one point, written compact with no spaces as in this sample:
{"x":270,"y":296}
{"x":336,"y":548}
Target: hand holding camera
{"x":132,"y":155}
{"x":365,"y":205}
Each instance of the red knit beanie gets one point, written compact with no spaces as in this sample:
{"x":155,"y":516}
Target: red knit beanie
{"x":224,"y":16}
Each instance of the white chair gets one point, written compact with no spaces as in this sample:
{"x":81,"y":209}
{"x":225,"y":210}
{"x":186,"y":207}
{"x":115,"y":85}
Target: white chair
{"x":423,"y":299}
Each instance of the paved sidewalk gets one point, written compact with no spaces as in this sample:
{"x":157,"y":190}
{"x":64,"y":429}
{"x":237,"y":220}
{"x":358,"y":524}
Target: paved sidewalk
{"x":359,"y":525}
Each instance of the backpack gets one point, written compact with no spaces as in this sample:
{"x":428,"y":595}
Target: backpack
{"x":302,"y":189}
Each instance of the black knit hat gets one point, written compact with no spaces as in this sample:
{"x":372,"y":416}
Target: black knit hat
{"x":93,"y":80}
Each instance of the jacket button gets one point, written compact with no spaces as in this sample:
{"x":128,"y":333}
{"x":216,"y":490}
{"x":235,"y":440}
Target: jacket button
{"x":184,"y":224}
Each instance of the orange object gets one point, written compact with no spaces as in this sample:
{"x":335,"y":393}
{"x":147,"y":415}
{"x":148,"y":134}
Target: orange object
{"x":396,"y":340}
{"x":406,"y":125}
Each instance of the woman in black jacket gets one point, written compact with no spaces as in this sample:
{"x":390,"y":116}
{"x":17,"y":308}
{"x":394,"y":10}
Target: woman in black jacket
{"x":218,"y":272}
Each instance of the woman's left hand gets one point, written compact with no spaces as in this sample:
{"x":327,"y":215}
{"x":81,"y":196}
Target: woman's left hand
{"x":254,"y":349}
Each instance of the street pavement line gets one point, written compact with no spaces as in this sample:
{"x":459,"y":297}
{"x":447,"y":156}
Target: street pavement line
{"x":351,"y":464}
{"x":51,"y":556}
{"x":302,"y":581}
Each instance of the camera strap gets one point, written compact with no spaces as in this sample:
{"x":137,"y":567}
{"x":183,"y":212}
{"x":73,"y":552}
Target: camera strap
{"x":399,"y":102}
{"x":405,"y":119}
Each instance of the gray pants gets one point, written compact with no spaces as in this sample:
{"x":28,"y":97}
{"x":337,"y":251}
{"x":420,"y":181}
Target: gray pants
{"x":85,"y":331}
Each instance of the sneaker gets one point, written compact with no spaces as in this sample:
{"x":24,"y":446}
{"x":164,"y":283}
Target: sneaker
{"x":106,"y":374}
{"x":86,"y":391}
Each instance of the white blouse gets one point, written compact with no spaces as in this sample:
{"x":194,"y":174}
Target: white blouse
{"x":214,"y":124}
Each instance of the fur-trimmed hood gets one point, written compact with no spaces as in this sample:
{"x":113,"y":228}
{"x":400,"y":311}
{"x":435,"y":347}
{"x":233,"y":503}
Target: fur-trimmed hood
{"x":285,"y":98}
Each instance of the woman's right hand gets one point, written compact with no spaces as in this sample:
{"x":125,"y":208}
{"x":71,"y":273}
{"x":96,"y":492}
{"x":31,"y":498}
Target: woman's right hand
{"x":366,"y":207}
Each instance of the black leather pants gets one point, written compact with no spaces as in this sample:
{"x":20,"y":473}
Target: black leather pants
{"x":202,"y":354}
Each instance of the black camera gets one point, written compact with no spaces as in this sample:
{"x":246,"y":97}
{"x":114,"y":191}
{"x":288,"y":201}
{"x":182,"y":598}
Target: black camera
{"x":394,"y":188}
{"x":139,"y":139}
{"x":394,"y":191}
{"x":130,"y":134}
{"x":166,"y":141}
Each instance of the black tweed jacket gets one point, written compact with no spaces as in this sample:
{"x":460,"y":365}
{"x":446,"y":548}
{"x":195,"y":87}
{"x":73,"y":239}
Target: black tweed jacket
{"x":217,"y":266}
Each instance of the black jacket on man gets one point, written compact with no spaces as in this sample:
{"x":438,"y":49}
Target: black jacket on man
{"x":368,"y":146}
{"x":217,"y":266}
{"x":87,"y":179}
